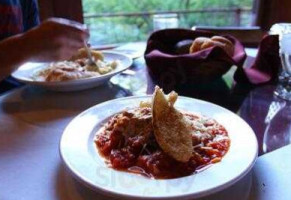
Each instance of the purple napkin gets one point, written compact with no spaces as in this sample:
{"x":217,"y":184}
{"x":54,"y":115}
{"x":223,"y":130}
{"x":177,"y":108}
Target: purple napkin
{"x":169,"y":69}
{"x":266,"y":66}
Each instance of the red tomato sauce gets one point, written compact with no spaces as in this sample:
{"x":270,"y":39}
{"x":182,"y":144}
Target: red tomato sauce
{"x":140,"y":153}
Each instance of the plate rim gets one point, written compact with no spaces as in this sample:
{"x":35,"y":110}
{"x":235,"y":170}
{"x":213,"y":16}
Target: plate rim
{"x":113,"y":193}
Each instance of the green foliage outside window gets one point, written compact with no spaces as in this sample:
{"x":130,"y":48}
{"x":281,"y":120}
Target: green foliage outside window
{"x":124,"y":29}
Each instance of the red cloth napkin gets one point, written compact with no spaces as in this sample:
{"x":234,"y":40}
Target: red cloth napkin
{"x":267,"y":64}
{"x":169,"y":70}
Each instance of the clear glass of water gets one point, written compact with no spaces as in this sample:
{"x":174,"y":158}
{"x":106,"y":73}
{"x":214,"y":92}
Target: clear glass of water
{"x":165,"y":21}
{"x":283,"y":89}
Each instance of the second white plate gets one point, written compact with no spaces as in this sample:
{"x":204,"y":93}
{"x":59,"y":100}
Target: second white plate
{"x":25,"y":74}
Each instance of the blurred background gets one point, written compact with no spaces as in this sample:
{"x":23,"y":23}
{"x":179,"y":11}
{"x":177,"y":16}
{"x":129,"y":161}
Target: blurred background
{"x":132,"y":20}
{"x":123,"y":21}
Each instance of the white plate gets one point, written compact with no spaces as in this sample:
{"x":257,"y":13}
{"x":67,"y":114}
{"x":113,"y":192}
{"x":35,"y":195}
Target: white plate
{"x":25,"y":72}
{"x":80,"y":156}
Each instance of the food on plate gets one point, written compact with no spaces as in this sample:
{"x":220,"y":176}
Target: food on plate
{"x":82,"y":53}
{"x":77,"y":67}
{"x":202,"y":43}
{"x":63,"y":71}
{"x":159,"y":141}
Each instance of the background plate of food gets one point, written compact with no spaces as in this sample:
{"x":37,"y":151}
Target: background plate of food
{"x":158,"y":147}
{"x":76,"y":73}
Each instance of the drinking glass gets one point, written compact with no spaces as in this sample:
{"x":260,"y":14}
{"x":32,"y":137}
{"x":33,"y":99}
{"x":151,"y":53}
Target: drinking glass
{"x":278,"y":125}
{"x":283,"y":89}
{"x":164,"y":21}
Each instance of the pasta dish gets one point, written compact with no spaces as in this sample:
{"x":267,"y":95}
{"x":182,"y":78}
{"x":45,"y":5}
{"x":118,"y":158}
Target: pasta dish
{"x":77,"y":67}
{"x":159,"y":141}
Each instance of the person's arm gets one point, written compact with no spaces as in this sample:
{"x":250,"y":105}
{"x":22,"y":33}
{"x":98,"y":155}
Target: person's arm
{"x":53,"y":40}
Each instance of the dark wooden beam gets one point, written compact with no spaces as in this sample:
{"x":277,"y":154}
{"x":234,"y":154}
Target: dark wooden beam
{"x":69,"y":9}
{"x":270,"y":12}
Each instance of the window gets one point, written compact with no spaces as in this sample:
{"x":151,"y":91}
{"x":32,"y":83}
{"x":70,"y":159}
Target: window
{"x":114,"y":21}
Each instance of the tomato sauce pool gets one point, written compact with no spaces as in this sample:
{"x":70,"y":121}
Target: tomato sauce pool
{"x":140,"y":153}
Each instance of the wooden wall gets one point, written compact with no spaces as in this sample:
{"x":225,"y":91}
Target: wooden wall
{"x":70,"y":9}
{"x":270,"y":12}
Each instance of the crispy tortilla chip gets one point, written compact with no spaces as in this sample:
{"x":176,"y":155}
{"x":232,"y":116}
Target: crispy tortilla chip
{"x":171,"y":129}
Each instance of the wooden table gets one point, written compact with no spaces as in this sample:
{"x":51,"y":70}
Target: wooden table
{"x":32,"y":121}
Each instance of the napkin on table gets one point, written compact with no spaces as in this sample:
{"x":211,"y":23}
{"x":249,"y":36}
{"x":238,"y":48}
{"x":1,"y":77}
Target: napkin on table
{"x":266,"y":66}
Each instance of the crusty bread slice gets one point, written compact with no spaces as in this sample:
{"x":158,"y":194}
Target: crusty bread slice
{"x":171,"y":129}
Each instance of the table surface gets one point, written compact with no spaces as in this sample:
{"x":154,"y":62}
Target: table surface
{"x":32,"y":121}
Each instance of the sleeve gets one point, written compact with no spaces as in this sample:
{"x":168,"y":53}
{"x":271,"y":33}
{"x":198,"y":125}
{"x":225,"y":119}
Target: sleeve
{"x":30,"y":14}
